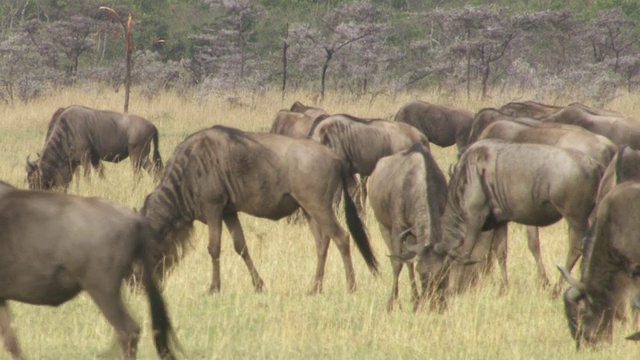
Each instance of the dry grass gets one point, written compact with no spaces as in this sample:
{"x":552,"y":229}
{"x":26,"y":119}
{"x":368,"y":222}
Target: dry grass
{"x":285,"y":323}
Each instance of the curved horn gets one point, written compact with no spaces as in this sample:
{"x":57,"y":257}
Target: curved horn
{"x":30,"y":163}
{"x":570,"y":279}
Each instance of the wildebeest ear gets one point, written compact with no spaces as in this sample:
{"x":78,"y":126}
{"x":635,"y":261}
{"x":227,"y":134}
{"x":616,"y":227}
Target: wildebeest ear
{"x":30,"y":164}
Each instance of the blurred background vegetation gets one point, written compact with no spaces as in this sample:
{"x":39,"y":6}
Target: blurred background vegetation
{"x":479,"y":48}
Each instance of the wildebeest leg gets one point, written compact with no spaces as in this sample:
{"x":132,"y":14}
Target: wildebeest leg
{"x":139,"y":156}
{"x":396,"y":264}
{"x":328,"y":226}
{"x":362,"y":212}
{"x":240,"y":245}
{"x":533,"y":237}
{"x":500,"y":247}
{"x":214,"y":222}
{"x":8,"y":335}
{"x":109,"y":300}
{"x":322,"y":246}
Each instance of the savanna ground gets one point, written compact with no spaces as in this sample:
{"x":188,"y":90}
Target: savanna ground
{"x":284,"y":322}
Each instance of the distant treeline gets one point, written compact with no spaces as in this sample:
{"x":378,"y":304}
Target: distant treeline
{"x":366,"y":47}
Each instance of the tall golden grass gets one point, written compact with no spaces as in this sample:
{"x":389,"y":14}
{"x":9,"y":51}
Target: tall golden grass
{"x":283,"y":322}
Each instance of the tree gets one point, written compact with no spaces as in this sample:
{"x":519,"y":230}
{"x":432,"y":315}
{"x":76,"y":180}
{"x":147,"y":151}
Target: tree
{"x":340,"y":30}
{"x":611,"y":34}
{"x":126,"y":38}
{"x":72,"y":38}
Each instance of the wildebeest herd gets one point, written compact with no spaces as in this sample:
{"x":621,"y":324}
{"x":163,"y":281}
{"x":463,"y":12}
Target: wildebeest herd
{"x":527,"y":162}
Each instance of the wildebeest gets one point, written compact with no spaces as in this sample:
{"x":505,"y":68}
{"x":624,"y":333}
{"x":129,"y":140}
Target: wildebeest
{"x":597,"y":111}
{"x":408,"y":194}
{"x":524,"y":130}
{"x":79,"y":135}
{"x":362,"y":142}
{"x":53,"y":246}
{"x":520,"y":130}
{"x":218,"y":172}
{"x":310,"y":111}
{"x":297,"y":121}
{"x":531,"y":109}
{"x":618,"y":129}
{"x":290,"y":123}
{"x":496,"y":182}
{"x":610,"y":268}
{"x":443,"y":125}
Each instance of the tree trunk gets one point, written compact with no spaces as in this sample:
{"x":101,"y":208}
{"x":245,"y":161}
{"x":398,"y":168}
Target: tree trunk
{"x":324,"y":71}
{"x":285,"y":46}
{"x":127,"y":76}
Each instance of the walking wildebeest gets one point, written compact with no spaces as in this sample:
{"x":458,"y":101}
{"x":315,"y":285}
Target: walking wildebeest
{"x":618,"y":129}
{"x":496,"y":182}
{"x":53,"y":246}
{"x":610,"y":268}
{"x":217,"y":172}
{"x":408,"y":194}
{"x":443,"y":125}
{"x":78,"y":135}
{"x":531,"y":109}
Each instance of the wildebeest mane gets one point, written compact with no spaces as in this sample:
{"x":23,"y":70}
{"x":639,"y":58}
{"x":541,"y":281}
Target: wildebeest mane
{"x":54,"y":153}
{"x":319,"y":119}
{"x":172,"y":207}
{"x":436,"y":205}
{"x":52,"y":122}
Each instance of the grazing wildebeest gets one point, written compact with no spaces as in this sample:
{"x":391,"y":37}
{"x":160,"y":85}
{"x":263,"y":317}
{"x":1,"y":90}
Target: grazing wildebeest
{"x":310,"y":111}
{"x":408,"y":194}
{"x":618,"y":129}
{"x":531,"y":109}
{"x":362,"y":142}
{"x":610,"y":268}
{"x":523,"y":130}
{"x":78,"y":135}
{"x":53,"y":246}
{"x":217,"y":172}
{"x":520,"y":130}
{"x":443,"y":125}
{"x":496,"y":182}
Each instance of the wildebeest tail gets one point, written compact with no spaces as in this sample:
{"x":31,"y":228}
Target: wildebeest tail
{"x":157,"y":160}
{"x":356,"y":228}
{"x":163,"y":334}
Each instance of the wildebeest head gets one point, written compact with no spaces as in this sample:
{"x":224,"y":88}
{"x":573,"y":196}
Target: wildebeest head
{"x":589,"y":319}
{"x":433,"y":264}
{"x":47,"y":178}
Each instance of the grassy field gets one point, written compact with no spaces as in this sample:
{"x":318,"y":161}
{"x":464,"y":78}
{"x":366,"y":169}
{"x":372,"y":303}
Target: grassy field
{"x":283,"y":322}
